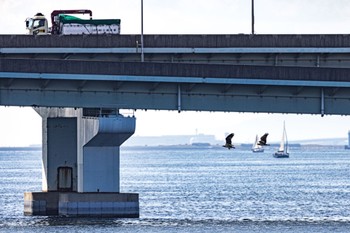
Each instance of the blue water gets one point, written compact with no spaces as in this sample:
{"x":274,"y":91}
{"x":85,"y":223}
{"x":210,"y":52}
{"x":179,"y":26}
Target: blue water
{"x":201,"y":190}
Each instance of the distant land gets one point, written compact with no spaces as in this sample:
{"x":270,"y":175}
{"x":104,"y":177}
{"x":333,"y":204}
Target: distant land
{"x":201,"y":141}
{"x":20,"y":148}
{"x":324,"y":141}
{"x":171,"y":140}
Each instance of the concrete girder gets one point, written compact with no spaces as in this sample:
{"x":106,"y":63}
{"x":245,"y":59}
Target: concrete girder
{"x":117,"y":85}
{"x":81,"y":85}
{"x":44,"y":84}
{"x":333,"y":91}
{"x":298,"y":90}
{"x":226,"y":88}
{"x":190,"y":87}
{"x":154,"y":87}
{"x":9,"y":82}
{"x":262,"y":89}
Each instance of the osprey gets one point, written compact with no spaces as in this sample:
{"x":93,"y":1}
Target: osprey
{"x":262,"y":141}
{"x":228,"y":143}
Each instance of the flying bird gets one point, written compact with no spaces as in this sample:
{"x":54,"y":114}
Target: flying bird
{"x":262,"y":141}
{"x":228,"y":143}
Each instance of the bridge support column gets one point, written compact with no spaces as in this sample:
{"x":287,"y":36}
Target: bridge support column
{"x":81,"y":166}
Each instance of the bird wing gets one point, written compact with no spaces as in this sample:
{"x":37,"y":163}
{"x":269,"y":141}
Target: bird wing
{"x":264,"y":138}
{"x":229,"y":138}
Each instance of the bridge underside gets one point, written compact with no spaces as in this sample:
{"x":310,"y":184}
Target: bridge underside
{"x":168,"y":86}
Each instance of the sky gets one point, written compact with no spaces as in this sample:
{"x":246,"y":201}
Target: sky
{"x":21,"y":126}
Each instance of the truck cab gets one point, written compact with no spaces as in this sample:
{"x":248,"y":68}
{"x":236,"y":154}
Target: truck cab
{"x":37,"y":25}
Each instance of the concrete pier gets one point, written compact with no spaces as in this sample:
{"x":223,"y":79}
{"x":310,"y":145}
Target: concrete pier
{"x":81,"y":165}
{"x":121,"y":205}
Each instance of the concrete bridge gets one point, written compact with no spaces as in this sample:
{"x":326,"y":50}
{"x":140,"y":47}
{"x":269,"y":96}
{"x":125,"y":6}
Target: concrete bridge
{"x":174,"y":86}
{"x":271,"y":50}
{"x":78,"y":84}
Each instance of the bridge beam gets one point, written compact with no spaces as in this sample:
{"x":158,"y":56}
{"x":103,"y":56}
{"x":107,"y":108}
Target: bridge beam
{"x":81,"y":165}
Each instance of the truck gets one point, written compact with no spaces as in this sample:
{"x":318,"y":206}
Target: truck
{"x":63,"y":22}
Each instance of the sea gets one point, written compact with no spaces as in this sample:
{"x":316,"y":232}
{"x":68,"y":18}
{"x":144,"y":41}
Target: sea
{"x":201,"y":190}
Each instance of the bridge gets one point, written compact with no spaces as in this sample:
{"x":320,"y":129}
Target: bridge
{"x":78,"y":84}
{"x":286,"y":73}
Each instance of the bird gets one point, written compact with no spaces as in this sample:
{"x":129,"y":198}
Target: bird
{"x":228,"y":143}
{"x":262,"y":141}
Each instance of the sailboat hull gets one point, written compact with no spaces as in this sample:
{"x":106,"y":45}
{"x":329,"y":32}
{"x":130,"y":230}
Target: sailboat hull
{"x":281,"y":155}
{"x":256,"y":147}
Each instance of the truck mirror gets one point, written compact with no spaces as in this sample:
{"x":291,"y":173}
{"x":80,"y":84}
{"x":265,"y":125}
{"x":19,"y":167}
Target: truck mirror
{"x":29,"y":22}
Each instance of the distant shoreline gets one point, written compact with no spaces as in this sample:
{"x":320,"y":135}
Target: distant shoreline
{"x":21,"y":148}
{"x":238,"y":146}
{"x":187,"y":146}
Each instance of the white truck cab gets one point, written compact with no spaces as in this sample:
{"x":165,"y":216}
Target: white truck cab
{"x":37,"y":25}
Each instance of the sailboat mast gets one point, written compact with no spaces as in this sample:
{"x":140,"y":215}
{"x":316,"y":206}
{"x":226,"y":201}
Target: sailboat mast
{"x":255,"y":145}
{"x":285,"y":135}
{"x":286,"y":138}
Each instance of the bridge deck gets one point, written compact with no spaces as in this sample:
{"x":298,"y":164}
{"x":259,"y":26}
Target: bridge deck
{"x":176,"y":41}
{"x":178,"y":70}
{"x":242,"y":73}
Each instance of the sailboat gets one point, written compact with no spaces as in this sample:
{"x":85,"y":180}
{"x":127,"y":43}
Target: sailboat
{"x":257,"y":148}
{"x":283,"y":149}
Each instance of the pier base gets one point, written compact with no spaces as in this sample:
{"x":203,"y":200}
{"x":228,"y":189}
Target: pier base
{"x":73,"y":204}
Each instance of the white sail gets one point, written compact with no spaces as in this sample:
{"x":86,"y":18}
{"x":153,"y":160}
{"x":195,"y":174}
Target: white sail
{"x":283,"y":149}
{"x":255,"y":145}
{"x":284,"y":140}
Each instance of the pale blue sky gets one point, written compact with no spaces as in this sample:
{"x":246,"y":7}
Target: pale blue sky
{"x":22,"y":126}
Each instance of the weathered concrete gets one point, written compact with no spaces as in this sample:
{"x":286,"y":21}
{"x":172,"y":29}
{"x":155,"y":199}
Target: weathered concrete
{"x":122,"y":205}
{"x":232,"y":88}
{"x":178,"y":70}
{"x":41,"y":203}
{"x":81,"y":165}
{"x":59,"y":149}
{"x":173,"y":41}
{"x":101,"y":160}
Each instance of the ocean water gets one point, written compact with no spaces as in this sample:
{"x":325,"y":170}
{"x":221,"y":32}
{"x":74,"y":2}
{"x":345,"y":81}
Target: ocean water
{"x":201,"y":190}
